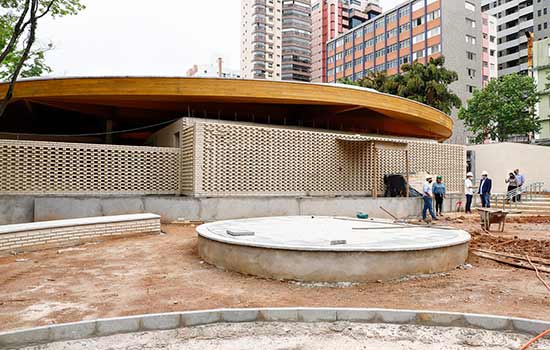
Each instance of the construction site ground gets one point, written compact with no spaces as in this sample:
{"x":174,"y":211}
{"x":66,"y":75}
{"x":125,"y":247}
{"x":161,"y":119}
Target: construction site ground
{"x":163,"y":273}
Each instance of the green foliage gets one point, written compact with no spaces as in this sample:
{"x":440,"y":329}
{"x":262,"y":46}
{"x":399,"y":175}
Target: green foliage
{"x":11,"y":12}
{"x":505,"y":107}
{"x":428,"y":84}
{"x":35,"y":64}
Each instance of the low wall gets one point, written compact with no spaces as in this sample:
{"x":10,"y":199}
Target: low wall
{"x":69,"y":232}
{"x":21,"y":209}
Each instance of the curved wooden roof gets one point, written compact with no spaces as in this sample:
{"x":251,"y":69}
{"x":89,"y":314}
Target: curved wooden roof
{"x":399,"y":116}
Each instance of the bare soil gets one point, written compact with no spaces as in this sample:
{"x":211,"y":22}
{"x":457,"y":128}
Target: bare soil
{"x":149,"y":274}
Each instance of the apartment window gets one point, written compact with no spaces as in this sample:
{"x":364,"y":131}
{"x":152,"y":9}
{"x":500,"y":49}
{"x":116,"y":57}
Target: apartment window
{"x":391,"y":33}
{"x":470,"y":39}
{"x":379,"y":24}
{"x":418,"y":22}
{"x":359,"y":47}
{"x":417,"y":5}
{"x":369,"y":57}
{"x":432,"y":50}
{"x":492,"y":38}
{"x":471,"y":72}
{"x":470,"y":55}
{"x":348,"y":65}
{"x":392,"y":17}
{"x":404,"y":12}
{"x":380,"y":68}
{"x":418,"y":38}
{"x":330,"y":60}
{"x":392,"y":64}
{"x":392,"y":48}
{"x":330,"y":46}
{"x":405,"y":27}
{"x":418,"y":54}
{"x":369,"y":42}
{"x":548,"y":50}
{"x":368,"y":28}
{"x":339,"y":42}
{"x":339,"y":69}
{"x":404,"y":60}
{"x":433,"y":15}
{"x":470,"y":22}
{"x":379,"y":39}
{"x":471,"y":88}
{"x":339,"y":56}
{"x":434,"y":31}
{"x":358,"y":33}
{"x":348,"y":52}
{"x":348,"y":39}
{"x":430,"y":1}
{"x":469,"y":6}
{"x":405,"y":43}
{"x":380,"y":53}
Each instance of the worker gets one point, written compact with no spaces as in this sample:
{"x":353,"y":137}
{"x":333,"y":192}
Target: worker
{"x":512,"y":182}
{"x":521,"y":180}
{"x":439,"y":194}
{"x":484,"y":191}
{"x":469,"y":191}
{"x":427,"y":195}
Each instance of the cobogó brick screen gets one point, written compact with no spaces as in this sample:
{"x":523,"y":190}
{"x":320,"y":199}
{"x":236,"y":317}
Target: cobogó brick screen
{"x":225,"y":159}
{"x":31,"y":167}
{"x":245,"y":159}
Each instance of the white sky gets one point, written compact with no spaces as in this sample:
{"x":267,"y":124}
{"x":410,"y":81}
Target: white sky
{"x":138,"y":37}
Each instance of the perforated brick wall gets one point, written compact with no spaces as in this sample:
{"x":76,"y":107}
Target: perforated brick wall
{"x":31,"y":167}
{"x":244,"y":159}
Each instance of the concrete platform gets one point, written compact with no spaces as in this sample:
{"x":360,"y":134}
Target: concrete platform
{"x":330,"y":249}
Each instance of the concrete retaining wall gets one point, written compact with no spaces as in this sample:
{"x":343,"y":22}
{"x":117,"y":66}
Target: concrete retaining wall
{"x":57,"y":233}
{"x":21,"y":209}
{"x":153,"y":322}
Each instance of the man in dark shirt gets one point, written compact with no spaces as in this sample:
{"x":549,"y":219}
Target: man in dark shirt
{"x":484,"y":191}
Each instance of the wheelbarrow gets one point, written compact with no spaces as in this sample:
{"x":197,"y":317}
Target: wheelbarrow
{"x":492,"y":216}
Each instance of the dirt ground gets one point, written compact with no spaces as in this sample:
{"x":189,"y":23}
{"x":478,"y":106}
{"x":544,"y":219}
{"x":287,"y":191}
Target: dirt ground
{"x":311,"y":336}
{"x":149,"y":274}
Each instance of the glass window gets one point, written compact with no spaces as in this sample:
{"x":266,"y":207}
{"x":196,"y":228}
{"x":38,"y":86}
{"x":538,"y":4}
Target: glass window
{"x":434,"y":31}
{"x":417,"y":5}
{"x":404,"y":12}
{"x":392,"y":17}
{"x":469,"y":6}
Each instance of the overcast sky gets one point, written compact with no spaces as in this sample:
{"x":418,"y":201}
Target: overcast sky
{"x":138,"y":37}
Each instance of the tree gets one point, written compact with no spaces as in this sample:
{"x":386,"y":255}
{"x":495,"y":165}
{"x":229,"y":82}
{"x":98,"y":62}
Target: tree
{"x":18,"y":26}
{"x":505,"y":107}
{"x":428,"y":84}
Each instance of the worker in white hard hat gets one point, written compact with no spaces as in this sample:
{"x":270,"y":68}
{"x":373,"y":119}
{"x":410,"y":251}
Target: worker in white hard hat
{"x":469,"y":191}
{"x":427,"y":196}
{"x":484,"y":191}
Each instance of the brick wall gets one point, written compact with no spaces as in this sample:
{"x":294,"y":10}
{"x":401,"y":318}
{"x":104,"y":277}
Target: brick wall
{"x":69,"y":232}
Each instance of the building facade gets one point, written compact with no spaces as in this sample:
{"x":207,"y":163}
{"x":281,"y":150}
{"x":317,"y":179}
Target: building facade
{"x":331,"y":18}
{"x":514,"y":19}
{"x":276,"y":39}
{"x":541,"y":19}
{"x":416,"y":30}
{"x":541,"y":71}
{"x":489,"y":48}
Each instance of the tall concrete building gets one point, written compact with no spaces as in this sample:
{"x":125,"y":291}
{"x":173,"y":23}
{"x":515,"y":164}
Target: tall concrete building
{"x":276,"y":39}
{"x":416,"y":30}
{"x":489,"y":48}
{"x":514,"y":18}
{"x":331,"y":18}
{"x":541,"y":19}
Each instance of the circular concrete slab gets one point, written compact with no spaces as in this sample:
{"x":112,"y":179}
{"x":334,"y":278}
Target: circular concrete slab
{"x":330,"y":249}
{"x":323,"y":233}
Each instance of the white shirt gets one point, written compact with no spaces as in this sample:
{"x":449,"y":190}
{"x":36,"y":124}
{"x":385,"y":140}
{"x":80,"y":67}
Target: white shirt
{"x":427,"y":189}
{"x":468,"y":187}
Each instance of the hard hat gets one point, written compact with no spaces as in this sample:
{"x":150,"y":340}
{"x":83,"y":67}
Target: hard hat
{"x":439,"y":177}
{"x":484,"y":172}
{"x":469,"y":174}
{"x":428,"y":177}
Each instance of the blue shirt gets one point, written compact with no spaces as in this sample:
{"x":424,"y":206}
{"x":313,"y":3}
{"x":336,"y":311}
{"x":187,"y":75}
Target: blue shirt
{"x":439,"y":188}
{"x":521,"y":179}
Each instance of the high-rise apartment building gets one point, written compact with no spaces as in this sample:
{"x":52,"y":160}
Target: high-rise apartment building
{"x":331,"y":18}
{"x":489,"y":48}
{"x":416,"y":30}
{"x":541,"y":19}
{"x":514,"y":19}
{"x":276,"y":39}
